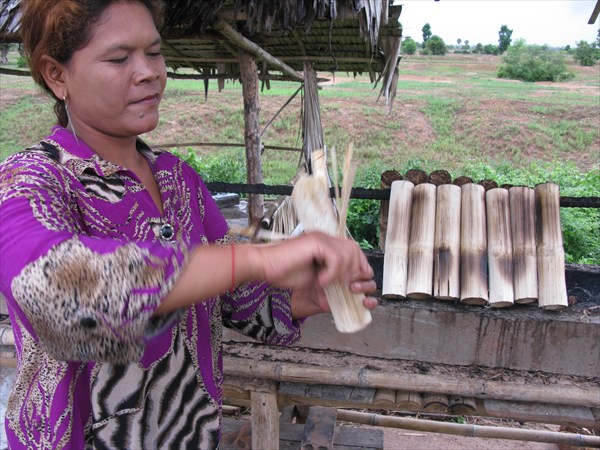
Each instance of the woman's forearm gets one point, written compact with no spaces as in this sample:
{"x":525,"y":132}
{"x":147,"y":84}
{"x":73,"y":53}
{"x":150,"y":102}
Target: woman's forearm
{"x":211,"y":270}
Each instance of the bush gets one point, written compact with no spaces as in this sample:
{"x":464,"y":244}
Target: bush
{"x":409,"y":46}
{"x":586,"y":54}
{"x":534,"y":63}
{"x":213,"y":169}
{"x":490,"y":49}
{"x":436,"y":45}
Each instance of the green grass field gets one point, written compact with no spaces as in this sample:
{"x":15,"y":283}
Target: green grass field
{"x":450,"y":113}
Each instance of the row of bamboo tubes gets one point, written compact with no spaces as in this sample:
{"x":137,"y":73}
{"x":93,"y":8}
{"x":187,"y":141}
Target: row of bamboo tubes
{"x":493,"y":247}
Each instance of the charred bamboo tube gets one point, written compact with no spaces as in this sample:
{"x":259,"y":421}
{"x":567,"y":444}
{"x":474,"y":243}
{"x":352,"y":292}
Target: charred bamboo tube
{"x":522,"y":216}
{"x":387,"y":178}
{"x":412,"y":401}
{"x":416,"y":176}
{"x":499,"y":248}
{"x":395,"y":263}
{"x":473,"y":246}
{"x":552,"y":288}
{"x":420,"y":248}
{"x":462,"y":405}
{"x":385,"y":398}
{"x":435,"y":403}
{"x":446,"y":251}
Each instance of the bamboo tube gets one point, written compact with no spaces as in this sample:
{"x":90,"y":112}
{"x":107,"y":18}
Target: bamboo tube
{"x":387,"y":178}
{"x":416,"y":176}
{"x":473,"y":246}
{"x":522,"y":216}
{"x":552,"y":288}
{"x":499,"y":248}
{"x":462,"y":429}
{"x":361,"y":377}
{"x":395,"y":259}
{"x":462,"y":406}
{"x":314,"y":208}
{"x":446,"y":250}
{"x":419,"y":284}
{"x":462,"y":180}
{"x":439,"y":177}
{"x":384,"y":398}
{"x":435,"y":403}
{"x":488,"y":184}
{"x":411,"y":401}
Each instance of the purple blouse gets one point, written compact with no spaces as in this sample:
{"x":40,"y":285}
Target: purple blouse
{"x":85,"y":259}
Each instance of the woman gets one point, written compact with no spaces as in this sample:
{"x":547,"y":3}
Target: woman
{"x":113,"y":263}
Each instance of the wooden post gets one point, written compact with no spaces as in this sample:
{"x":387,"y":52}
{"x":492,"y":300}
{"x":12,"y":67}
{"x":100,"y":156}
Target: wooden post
{"x":499,"y":248}
{"x":522,"y":217}
{"x":312,"y":127}
{"x":249,"y":76}
{"x":473,"y":246}
{"x":550,"y":253}
{"x":420,"y":248}
{"x":265,"y":416}
{"x":395,"y":263}
{"x":446,"y":251}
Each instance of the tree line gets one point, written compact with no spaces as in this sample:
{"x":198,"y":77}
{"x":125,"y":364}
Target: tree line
{"x":586,"y":54}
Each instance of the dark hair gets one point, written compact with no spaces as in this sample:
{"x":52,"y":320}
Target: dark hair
{"x":58,"y":28}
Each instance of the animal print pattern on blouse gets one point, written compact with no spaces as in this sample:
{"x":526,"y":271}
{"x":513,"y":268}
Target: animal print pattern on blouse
{"x":105,"y":314}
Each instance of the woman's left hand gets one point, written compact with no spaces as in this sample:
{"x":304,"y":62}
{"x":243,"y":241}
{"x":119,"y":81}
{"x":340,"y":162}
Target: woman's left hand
{"x":311,"y":300}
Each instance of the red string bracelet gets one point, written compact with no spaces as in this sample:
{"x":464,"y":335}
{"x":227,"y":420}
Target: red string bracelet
{"x":232,"y":267}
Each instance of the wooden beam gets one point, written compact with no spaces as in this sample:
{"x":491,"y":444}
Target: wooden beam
{"x":282,"y":60}
{"x":595,"y":13}
{"x":361,"y":377}
{"x":242,"y":42}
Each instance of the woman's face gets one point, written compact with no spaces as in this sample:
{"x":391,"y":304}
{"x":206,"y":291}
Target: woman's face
{"x":115,"y":83}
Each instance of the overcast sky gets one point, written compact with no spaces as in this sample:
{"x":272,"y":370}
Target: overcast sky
{"x":554,"y":22}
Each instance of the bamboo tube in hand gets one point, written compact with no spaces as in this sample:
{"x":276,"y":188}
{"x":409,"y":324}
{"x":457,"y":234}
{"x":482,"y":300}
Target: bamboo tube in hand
{"x":420,"y":248}
{"x":314,"y":208}
{"x":446,"y":250}
{"x":395,"y":259}
{"x":499,"y":248}
{"x":552,"y":288}
{"x":522,"y":217}
{"x":473,"y":246}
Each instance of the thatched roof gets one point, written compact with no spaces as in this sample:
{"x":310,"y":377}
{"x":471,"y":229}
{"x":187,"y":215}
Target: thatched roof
{"x":355,"y":36}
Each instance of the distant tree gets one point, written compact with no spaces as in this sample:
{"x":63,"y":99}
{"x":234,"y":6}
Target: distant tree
{"x":490,"y":49}
{"x":568,"y":48}
{"x":478,"y":48}
{"x":436,"y":45}
{"x":458,"y":41}
{"x":426,"y":30}
{"x":534,"y":63}
{"x":586,"y":54}
{"x":409,"y":46}
{"x":504,"y":39}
